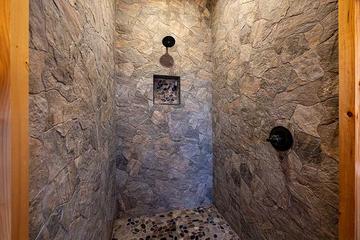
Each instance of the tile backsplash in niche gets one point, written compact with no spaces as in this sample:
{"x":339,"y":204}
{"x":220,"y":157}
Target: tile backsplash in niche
{"x":166,"y":90}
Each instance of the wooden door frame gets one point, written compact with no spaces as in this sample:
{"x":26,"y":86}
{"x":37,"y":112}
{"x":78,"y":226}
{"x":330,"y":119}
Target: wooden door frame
{"x":14,"y":28}
{"x":349,"y":113}
{"x":14,"y":137}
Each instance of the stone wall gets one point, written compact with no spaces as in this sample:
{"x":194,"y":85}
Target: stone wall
{"x":71,"y":119}
{"x":167,"y":150}
{"x":275,"y":63}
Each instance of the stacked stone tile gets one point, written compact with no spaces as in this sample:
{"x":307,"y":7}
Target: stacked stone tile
{"x":275,"y":63}
{"x":166,"y":150}
{"x":71,"y":119}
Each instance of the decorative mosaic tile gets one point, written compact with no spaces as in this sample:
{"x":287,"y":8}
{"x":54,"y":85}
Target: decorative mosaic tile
{"x":199,"y":223}
{"x":166,"y":90}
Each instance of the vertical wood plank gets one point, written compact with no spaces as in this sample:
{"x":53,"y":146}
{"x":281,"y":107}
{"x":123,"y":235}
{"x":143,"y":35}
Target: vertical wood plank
{"x":348,"y":116}
{"x":14,"y":139}
{"x":19,"y":98}
{"x":5,"y":184}
{"x":357,"y":115}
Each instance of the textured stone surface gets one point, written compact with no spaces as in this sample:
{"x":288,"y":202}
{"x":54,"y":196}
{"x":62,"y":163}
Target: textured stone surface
{"x":275,"y":63}
{"x":167,"y":150}
{"x":200,"y":223}
{"x":266,"y":63}
{"x":71,"y":119}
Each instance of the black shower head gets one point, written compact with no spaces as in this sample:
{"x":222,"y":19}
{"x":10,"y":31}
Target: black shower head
{"x":168,"y":41}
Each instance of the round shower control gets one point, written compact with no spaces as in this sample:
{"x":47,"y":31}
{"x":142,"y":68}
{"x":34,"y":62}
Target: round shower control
{"x":281,"y":138}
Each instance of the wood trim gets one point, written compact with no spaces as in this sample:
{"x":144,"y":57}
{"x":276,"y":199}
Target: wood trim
{"x":19,"y":96}
{"x":14,"y":139}
{"x":14,"y":119}
{"x":357,"y":105}
{"x":357,"y":115}
{"x":5,"y":188}
{"x":349,"y":119}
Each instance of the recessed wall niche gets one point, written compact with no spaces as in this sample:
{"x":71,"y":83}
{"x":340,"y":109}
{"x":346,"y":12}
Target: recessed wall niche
{"x":166,"y":90}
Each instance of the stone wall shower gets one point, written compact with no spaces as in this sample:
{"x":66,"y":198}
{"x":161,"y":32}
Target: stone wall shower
{"x":101,"y":147}
{"x":71,"y":119}
{"x":275,"y":63}
{"x":167,"y":150}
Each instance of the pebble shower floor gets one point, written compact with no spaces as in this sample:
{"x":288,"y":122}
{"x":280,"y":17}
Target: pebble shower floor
{"x":199,"y":223}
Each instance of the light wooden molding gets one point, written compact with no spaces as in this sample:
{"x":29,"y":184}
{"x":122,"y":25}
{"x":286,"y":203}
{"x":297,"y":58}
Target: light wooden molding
{"x":357,"y":115}
{"x":349,"y":17}
{"x":5,"y":188}
{"x":14,"y":136}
